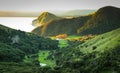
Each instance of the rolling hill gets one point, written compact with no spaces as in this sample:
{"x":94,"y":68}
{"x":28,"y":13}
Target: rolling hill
{"x":98,"y":55}
{"x":104,"y":20}
{"x":15,"y":44}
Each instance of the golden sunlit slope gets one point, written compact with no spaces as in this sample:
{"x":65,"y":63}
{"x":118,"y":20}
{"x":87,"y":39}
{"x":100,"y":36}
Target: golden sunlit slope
{"x":62,"y":26}
{"x":44,"y":18}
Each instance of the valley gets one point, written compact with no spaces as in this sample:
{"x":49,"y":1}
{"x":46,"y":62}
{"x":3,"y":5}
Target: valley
{"x":81,"y":44}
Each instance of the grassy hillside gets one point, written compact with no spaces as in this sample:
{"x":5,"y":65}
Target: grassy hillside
{"x":98,"y":55}
{"x":18,"y":44}
{"x":66,"y":26}
{"x":104,"y":20}
{"x":44,"y":58}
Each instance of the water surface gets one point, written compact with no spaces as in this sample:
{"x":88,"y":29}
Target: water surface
{"x":19,"y":23}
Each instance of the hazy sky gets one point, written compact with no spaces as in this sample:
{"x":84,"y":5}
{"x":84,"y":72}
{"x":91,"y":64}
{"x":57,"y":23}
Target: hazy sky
{"x":44,"y":5}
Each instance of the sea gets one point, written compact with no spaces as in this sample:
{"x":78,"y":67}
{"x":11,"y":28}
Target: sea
{"x":18,"y":23}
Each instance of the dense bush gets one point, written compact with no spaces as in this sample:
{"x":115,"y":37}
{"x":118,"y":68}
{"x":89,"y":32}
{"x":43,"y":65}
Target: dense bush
{"x":8,"y":53}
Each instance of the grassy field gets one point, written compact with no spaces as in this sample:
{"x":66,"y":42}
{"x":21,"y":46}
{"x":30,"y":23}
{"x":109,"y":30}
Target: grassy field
{"x":63,"y":43}
{"x":73,"y":37}
{"x":43,"y":55}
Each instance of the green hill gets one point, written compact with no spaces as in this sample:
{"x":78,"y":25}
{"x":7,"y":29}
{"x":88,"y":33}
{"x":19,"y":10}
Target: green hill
{"x":104,"y":20}
{"x":66,"y":26}
{"x":98,"y":55}
{"x":15,"y":44}
{"x":44,"y":18}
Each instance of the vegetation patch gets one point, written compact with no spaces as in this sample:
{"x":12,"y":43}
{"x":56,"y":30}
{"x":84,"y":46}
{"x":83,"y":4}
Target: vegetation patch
{"x":44,"y":57}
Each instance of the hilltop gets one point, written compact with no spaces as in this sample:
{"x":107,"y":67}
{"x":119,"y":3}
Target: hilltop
{"x":104,"y":20}
{"x":44,"y":18}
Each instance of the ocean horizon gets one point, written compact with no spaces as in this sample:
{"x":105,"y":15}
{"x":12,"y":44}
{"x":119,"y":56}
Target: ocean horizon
{"x":18,"y":23}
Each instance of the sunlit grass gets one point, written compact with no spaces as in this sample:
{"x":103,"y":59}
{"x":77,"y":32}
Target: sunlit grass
{"x":63,"y":43}
{"x":43,"y":54}
{"x":102,"y":42}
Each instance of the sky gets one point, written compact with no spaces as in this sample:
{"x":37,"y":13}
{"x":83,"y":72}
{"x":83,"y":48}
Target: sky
{"x":46,"y":5}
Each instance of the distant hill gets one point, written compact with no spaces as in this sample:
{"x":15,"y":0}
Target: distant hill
{"x":104,"y":20}
{"x":76,"y":13}
{"x":60,"y":13}
{"x":44,"y":18}
{"x":66,"y":25}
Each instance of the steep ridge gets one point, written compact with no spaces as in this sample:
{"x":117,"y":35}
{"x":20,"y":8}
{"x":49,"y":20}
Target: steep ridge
{"x":67,"y":26}
{"x":104,"y":20}
{"x":44,"y":18}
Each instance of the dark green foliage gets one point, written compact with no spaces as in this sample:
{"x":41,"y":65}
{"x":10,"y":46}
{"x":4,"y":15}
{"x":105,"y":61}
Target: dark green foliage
{"x":14,"y":44}
{"x":74,"y":43}
{"x":48,"y":44}
{"x":91,"y":59}
{"x":94,"y":47}
{"x":89,"y":63}
{"x":110,"y":59}
{"x":67,"y":54}
{"x":8,"y":53}
{"x":12,"y":67}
